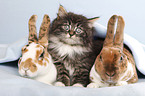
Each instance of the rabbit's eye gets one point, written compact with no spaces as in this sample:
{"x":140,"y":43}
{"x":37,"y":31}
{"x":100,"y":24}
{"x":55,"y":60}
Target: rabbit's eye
{"x":42,"y":54}
{"x":100,"y":57}
{"x":121,"y":58}
{"x":27,"y":45}
{"x":23,"y":49}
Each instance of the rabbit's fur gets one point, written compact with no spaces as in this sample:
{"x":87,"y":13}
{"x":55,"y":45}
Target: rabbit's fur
{"x":36,"y":62}
{"x":115,"y":65}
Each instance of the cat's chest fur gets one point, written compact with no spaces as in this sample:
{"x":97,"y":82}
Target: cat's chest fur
{"x":66,"y":53}
{"x":62,"y":49}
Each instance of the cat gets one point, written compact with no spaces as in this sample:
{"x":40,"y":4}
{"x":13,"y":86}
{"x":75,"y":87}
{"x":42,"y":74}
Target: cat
{"x":71,"y":46}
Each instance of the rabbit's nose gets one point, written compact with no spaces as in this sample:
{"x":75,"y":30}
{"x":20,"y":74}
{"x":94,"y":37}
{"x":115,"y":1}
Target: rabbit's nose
{"x":25,"y":72}
{"x":110,"y":74}
{"x":25,"y":69}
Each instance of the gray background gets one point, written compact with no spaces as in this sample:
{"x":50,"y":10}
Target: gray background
{"x":14,"y":14}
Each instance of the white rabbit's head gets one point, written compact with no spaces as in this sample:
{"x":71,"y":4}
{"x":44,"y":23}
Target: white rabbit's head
{"x":35,"y":57}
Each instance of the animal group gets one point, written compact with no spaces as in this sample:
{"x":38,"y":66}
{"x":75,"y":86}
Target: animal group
{"x":66,"y":53}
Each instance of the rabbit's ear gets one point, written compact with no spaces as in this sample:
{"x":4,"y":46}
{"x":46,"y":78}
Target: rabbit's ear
{"x":110,"y":31}
{"x":32,"y":29}
{"x":119,"y":36}
{"x":44,"y":31}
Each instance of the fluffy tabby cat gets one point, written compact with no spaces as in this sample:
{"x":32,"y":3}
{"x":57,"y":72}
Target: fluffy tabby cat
{"x":71,"y":46}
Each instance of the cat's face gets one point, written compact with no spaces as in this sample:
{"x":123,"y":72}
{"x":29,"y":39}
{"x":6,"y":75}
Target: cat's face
{"x":72,"y":28}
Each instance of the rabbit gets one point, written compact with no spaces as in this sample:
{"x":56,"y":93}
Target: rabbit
{"x":36,"y":62}
{"x":115,"y":65}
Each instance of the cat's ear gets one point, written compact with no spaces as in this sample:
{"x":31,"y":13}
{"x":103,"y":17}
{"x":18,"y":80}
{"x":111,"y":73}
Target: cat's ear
{"x":92,"y":20}
{"x":61,"y":12}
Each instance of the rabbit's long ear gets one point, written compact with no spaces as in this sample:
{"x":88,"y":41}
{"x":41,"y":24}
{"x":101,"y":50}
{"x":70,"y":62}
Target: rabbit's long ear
{"x":110,"y":31}
{"x":44,"y":31}
{"x":119,"y":36}
{"x":32,"y":29}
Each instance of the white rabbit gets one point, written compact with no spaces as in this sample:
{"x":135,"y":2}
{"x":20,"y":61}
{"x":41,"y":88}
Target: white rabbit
{"x":36,"y":62}
{"x":115,"y":65}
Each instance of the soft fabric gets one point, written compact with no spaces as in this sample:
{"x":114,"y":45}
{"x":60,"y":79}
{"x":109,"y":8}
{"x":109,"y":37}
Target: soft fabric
{"x":11,"y":84}
{"x":11,"y":52}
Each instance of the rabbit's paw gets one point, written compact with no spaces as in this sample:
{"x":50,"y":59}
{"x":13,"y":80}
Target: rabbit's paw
{"x":93,"y":85}
{"x":121,"y":83}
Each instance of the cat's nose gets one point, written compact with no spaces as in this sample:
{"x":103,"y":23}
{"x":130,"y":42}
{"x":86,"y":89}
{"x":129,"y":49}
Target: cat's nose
{"x":71,"y":33}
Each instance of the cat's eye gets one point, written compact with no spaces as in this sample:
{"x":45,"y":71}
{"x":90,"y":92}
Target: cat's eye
{"x":66,"y":27}
{"x":78,"y":30}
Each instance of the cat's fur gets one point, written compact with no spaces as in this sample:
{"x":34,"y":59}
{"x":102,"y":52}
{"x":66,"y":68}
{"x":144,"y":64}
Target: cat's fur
{"x":71,"y":46}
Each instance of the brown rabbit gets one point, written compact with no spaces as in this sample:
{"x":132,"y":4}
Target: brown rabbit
{"x":115,"y":65}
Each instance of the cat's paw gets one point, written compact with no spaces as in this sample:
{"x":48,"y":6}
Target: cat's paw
{"x":93,"y":85}
{"x":121,"y":83}
{"x":78,"y":85}
{"x":59,"y":84}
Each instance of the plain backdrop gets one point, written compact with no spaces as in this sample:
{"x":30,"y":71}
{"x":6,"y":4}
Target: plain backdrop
{"x":14,"y":15}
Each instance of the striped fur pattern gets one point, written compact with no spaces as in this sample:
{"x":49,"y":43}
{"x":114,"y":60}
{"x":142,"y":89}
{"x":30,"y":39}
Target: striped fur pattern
{"x":115,"y":65}
{"x":36,"y":62}
{"x":71,"y":44}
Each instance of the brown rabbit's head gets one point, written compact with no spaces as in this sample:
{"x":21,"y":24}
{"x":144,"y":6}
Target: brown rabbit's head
{"x":111,"y":63}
